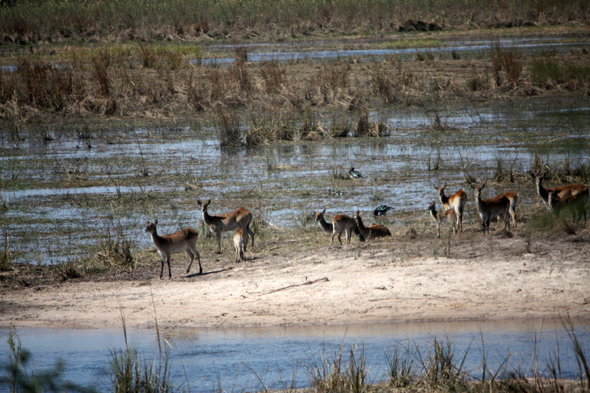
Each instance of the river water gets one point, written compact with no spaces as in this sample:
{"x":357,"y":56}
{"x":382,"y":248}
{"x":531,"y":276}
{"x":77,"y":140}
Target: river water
{"x":278,"y":357}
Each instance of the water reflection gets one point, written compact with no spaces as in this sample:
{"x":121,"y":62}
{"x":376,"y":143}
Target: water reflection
{"x":238,"y":357}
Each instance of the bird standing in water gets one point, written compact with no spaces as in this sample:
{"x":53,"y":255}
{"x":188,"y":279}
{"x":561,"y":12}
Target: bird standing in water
{"x":381,"y":210}
{"x":354,"y":174}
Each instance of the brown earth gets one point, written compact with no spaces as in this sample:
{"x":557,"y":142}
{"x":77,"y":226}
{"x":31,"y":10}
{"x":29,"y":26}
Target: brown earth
{"x":312,"y":282}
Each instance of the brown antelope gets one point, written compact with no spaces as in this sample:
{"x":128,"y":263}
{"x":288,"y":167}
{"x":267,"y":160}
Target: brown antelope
{"x":438,"y":217}
{"x":239,"y":218}
{"x":513,"y":198}
{"x":456,"y":202}
{"x":574,"y":195}
{"x":493,"y":207}
{"x":326,"y":226}
{"x":344,"y":224}
{"x":240,"y":243}
{"x":167,"y":245}
{"x":557,"y":204}
{"x":373,"y":231}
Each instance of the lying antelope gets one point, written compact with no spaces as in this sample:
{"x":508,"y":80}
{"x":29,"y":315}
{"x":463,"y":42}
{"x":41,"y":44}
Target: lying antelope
{"x":455,"y":202}
{"x":240,"y":243}
{"x":493,"y":207}
{"x":167,"y":245}
{"x":344,"y":224}
{"x":575,"y":195}
{"x":438,"y":217}
{"x":326,"y":226}
{"x":239,"y":218}
{"x":372,"y":231}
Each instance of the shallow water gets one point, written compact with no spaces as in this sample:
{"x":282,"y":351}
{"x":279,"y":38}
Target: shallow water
{"x":287,"y":52}
{"x":209,"y":359}
{"x":282,"y":184}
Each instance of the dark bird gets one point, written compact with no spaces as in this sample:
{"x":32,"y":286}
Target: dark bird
{"x":381,"y":210}
{"x":354,"y":174}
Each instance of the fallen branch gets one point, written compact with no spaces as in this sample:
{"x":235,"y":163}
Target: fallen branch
{"x":297,"y":285}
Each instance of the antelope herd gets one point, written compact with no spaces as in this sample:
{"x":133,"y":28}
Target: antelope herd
{"x":572,"y":197}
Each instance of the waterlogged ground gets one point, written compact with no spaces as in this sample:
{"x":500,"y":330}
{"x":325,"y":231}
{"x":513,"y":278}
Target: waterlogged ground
{"x":65,"y":193}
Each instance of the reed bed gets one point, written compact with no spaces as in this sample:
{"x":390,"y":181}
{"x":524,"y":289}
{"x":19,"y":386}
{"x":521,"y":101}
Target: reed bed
{"x":30,"y":21}
{"x":293,"y":101}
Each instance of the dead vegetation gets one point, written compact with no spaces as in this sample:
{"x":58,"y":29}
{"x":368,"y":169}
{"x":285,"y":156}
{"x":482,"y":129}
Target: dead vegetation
{"x":291,"y":99}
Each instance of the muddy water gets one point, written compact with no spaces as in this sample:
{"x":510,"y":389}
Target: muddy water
{"x":215,"y":360}
{"x":69,"y":194}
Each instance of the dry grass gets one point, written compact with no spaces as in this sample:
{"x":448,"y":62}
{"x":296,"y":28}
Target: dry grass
{"x":158,"y":82}
{"x":23,"y":22}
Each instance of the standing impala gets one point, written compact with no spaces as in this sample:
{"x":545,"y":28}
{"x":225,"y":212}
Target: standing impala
{"x":438,"y":217}
{"x":326,"y":226}
{"x":167,"y":245}
{"x":344,"y":224}
{"x":456,"y":202}
{"x":239,"y":218}
{"x":490,"y":208}
{"x":372,"y":231}
{"x":240,"y":243}
{"x":576,"y":195}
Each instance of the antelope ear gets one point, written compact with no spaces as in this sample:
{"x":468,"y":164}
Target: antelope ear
{"x":324,"y":211}
{"x":482,"y":186}
{"x":156,"y":222}
{"x":199,"y":202}
{"x":209,"y":201}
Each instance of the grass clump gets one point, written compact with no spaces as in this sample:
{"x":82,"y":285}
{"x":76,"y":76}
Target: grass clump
{"x":273,"y":75}
{"x":5,"y":256}
{"x":130,"y":373}
{"x":230,"y":133}
{"x":506,"y":66}
{"x":340,"y":374}
{"x":549,"y":72}
{"x":108,"y":255}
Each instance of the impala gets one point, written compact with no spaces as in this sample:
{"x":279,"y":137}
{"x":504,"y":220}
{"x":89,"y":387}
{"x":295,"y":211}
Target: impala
{"x":344,"y":224}
{"x":438,"y":217}
{"x":167,"y":245}
{"x":490,"y":208}
{"x":456,"y":202}
{"x":513,"y":198}
{"x":576,"y":195}
{"x":239,"y":218}
{"x":240,"y":243}
{"x":372,"y":231}
{"x":326,"y":226}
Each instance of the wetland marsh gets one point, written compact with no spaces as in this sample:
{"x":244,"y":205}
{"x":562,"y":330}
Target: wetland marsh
{"x":104,"y":127}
